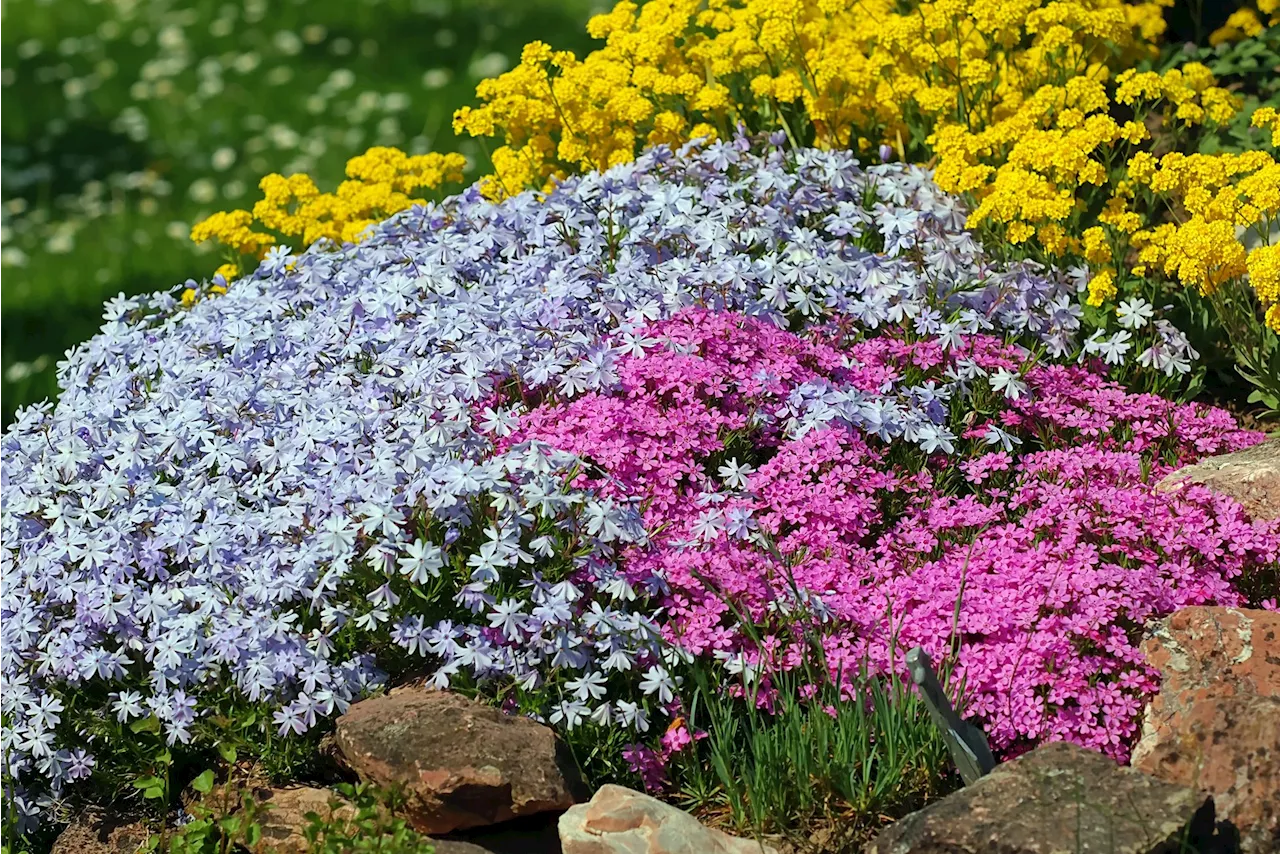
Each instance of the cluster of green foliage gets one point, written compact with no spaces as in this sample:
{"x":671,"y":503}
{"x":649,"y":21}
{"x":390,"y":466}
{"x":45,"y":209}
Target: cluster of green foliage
{"x":361,"y":819}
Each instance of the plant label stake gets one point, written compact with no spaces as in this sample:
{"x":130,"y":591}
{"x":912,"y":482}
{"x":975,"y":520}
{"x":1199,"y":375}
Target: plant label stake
{"x":966,"y":743}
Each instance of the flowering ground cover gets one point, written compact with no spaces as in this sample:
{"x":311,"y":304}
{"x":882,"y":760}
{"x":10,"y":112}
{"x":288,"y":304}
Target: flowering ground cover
{"x":705,"y":436}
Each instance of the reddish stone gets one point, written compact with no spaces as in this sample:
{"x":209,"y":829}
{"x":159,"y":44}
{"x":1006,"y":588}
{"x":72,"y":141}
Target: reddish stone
{"x":462,"y":763}
{"x":619,"y":820}
{"x":1215,"y":724}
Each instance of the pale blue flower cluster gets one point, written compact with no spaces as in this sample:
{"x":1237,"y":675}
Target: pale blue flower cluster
{"x":267,"y":497}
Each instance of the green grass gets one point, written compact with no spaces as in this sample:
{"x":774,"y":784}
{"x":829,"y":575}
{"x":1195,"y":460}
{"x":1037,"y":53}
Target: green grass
{"x":123,"y":122}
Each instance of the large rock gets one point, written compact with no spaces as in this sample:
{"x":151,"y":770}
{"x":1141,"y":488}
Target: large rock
{"x":1251,"y":476}
{"x":462,"y":764}
{"x":99,"y":834}
{"x":1057,"y":799}
{"x":1215,"y":724}
{"x":621,"y":821}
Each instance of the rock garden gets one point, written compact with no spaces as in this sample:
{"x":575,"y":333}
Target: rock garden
{"x":824,"y":427}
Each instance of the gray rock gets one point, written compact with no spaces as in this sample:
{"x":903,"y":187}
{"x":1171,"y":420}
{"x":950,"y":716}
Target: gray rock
{"x":1058,"y":799}
{"x":619,"y":820}
{"x":1251,"y":476}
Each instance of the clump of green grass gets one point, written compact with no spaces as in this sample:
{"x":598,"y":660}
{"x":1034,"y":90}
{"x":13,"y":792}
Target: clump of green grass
{"x":819,"y":757}
{"x":814,"y":763}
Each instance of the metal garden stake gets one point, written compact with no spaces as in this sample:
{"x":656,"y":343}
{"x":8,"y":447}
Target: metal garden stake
{"x":967,"y":743}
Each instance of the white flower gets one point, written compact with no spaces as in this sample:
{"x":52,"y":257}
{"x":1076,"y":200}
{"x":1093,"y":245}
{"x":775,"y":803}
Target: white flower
{"x":630,"y":714}
{"x":734,"y":474}
{"x":1134,"y":313}
{"x":570,"y":713}
{"x":1115,"y":347}
{"x":424,"y":561}
{"x":657,"y":679}
{"x":509,"y":617}
{"x":1002,"y":380}
{"x":995,"y":435}
{"x":589,"y":686}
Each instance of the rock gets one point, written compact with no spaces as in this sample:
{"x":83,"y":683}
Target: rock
{"x":97,"y":834}
{"x":462,"y":764}
{"x":1215,"y":723}
{"x":285,"y":822}
{"x":455,"y":846}
{"x":621,"y":821}
{"x":1251,"y":476}
{"x":1057,"y":799}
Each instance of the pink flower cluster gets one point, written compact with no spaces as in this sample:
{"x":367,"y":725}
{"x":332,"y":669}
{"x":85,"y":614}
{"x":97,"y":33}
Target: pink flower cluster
{"x":1032,"y":569}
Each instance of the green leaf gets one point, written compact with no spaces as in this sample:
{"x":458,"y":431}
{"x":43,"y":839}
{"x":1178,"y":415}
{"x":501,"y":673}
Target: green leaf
{"x":153,"y":794}
{"x":230,"y":824}
{"x":147,"y":782}
{"x":204,"y":783}
{"x":228,"y":753}
{"x":147,"y":724}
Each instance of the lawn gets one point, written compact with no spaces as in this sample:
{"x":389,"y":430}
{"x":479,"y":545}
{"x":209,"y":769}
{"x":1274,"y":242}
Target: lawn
{"x":126,"y":122}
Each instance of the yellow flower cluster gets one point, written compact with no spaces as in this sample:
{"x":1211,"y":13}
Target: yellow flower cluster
{"x":233,"y":229}
{"x":1029,"y":170}
{"x":1246,"y":23}
{"x":1225,"y":197}
{"x":829,"y":72}
{"x":379,"y":184}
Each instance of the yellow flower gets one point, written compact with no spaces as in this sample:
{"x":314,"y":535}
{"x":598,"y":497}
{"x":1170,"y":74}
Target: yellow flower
{"x":1272,"y":318}
{"x":1242,"y":23}
{"x":1019,"y":232}
{"x":1096,"y":248}
{"x":1101,"y":288}
{"x":1142,"y":166}
{"x":1264,"y":274}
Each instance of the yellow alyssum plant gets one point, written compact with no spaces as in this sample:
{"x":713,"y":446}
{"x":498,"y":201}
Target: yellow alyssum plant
{"x":1066,"y":179}
{"x":832,"y":73}
{"x":380,"y":183}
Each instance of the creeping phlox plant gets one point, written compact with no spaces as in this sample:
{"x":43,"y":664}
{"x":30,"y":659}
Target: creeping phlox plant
{"x":262,"y":506}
